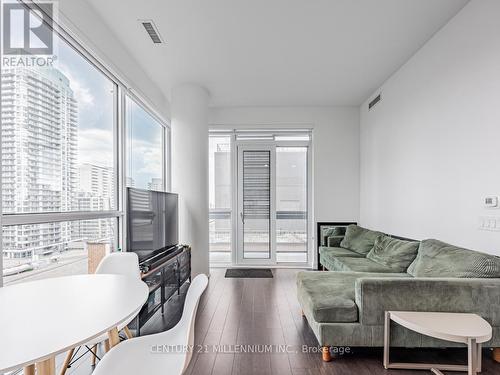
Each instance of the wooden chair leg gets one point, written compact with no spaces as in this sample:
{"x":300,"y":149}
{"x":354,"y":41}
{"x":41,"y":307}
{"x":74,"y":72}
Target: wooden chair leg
{"x":127,"y":332}
{"x":29,"y":370}
{"x":94,"y":352}
{"x":106,"y":345}
{"x":496,"y":354}
{"x":67,"y":361}
{"x":46,"y":367}
{"x":325,"y":350}
{"x":113,"y":337}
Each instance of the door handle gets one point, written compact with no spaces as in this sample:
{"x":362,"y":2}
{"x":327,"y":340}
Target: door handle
{"x":242,"y":218}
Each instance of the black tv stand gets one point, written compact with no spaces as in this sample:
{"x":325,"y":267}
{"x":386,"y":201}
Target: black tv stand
{"x":164,"y":273}
{"x":151,"y":263}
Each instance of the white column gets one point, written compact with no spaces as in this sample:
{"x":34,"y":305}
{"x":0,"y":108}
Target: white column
{"x":189,"y":113}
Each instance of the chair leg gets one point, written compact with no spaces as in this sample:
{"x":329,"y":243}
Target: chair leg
{"x":67,"y":361}
{"x":496,"y":354}
{"x":325,"y":350}
{"x":127,"y":332}
{"x":113,"y":337}
{"x":46,"y":367}
{"x":106,"y":345}
{"x":94,"y":352}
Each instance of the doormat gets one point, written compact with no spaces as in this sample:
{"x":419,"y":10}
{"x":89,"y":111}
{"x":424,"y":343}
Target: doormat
{"x":253,"y":273}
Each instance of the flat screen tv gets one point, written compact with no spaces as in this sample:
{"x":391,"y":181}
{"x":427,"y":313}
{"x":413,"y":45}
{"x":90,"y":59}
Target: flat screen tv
{"x":152,"y":219}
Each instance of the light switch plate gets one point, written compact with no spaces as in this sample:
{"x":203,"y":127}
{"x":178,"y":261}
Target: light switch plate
{"x":489,"y":223}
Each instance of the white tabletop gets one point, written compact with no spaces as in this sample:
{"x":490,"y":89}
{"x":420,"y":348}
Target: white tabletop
{"x":40,"y":319}
{"x":455,"y":327}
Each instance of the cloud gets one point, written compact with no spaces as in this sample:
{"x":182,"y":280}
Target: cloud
{"x":146,"y":158}
{"x":95,"y":146}
{"x":82,"y":93}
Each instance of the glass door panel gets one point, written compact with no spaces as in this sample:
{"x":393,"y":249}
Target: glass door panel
{"x":256,"y":204}
{"x":291,"y":204}
{"x":220,"y":199}
{"x":255,"y":229}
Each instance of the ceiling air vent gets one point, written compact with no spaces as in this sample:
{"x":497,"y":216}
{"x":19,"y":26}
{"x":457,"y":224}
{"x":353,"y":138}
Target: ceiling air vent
{"x":374,"y":102}
{"x":152,"y":31}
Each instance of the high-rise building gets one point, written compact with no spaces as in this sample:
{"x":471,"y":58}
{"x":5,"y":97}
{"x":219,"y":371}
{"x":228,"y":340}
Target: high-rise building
{"x":39,"y":152}
{"x":156,"y":184}
{"x":95,"y":193}
{"x":98,"y":182}
{"x":130,"y":182}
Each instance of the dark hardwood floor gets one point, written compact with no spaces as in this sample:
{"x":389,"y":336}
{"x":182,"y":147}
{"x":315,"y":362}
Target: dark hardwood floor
{"x":266,"y":312}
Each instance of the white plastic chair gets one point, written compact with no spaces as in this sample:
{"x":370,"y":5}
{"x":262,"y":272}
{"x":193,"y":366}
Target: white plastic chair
{"x":163,"y":353}
{"x":118,"y":264}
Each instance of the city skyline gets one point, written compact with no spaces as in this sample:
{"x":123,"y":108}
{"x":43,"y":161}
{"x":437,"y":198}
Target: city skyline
{"x":43,"y":170}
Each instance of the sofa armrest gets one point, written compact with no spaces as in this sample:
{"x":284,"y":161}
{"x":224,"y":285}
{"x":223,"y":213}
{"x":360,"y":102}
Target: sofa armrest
{"x":334,"y":241}
{"x":374,"y":296}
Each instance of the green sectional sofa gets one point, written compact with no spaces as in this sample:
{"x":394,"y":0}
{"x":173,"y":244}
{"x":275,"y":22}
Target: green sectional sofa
{"x":371,"y":272}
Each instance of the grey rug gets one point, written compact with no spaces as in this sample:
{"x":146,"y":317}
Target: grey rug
{"x":254,"y":273}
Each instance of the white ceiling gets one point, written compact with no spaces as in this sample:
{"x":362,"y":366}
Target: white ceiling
{"x":277,"y":52}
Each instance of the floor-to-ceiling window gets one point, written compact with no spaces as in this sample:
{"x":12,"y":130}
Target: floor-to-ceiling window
{"x":62,"y":147}
{"x":147,"y":140}
{"x":58,"y":157}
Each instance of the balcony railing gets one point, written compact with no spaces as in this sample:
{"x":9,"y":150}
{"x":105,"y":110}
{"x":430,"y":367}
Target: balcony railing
{"x":225,"y":214}
{"x":291,"y":236}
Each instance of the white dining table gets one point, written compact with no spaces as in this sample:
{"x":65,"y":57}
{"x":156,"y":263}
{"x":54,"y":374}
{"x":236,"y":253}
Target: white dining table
{"x":41,"y":319}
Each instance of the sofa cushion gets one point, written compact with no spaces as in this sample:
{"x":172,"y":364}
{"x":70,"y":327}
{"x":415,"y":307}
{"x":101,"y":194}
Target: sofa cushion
{"x":359,"y":239}
{"x":393,"y":253}
{"x":331,"y":232}
{"x":327,"y":255}
{"x":439,"y":259}
{"x":351,"y":264}
{"x":334,"y":241}
{"x":339,"y":252}
{"x":329,"y":296}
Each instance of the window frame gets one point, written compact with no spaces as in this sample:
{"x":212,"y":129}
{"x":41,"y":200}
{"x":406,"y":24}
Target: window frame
{"x":122,"y":90}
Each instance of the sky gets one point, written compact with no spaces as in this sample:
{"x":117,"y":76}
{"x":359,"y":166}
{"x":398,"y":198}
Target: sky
{"x":94,"y":94}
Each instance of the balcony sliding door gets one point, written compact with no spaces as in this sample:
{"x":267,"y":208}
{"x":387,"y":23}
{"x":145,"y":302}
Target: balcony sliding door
{"x":266,"y":178}
{"x":256,"y":220}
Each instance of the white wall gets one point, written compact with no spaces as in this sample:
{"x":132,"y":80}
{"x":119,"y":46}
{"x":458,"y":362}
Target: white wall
{"x":90,"y":30}
{"x":335,"y":150}
{"x":190,"y":169}
{"x":430,"y":149}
